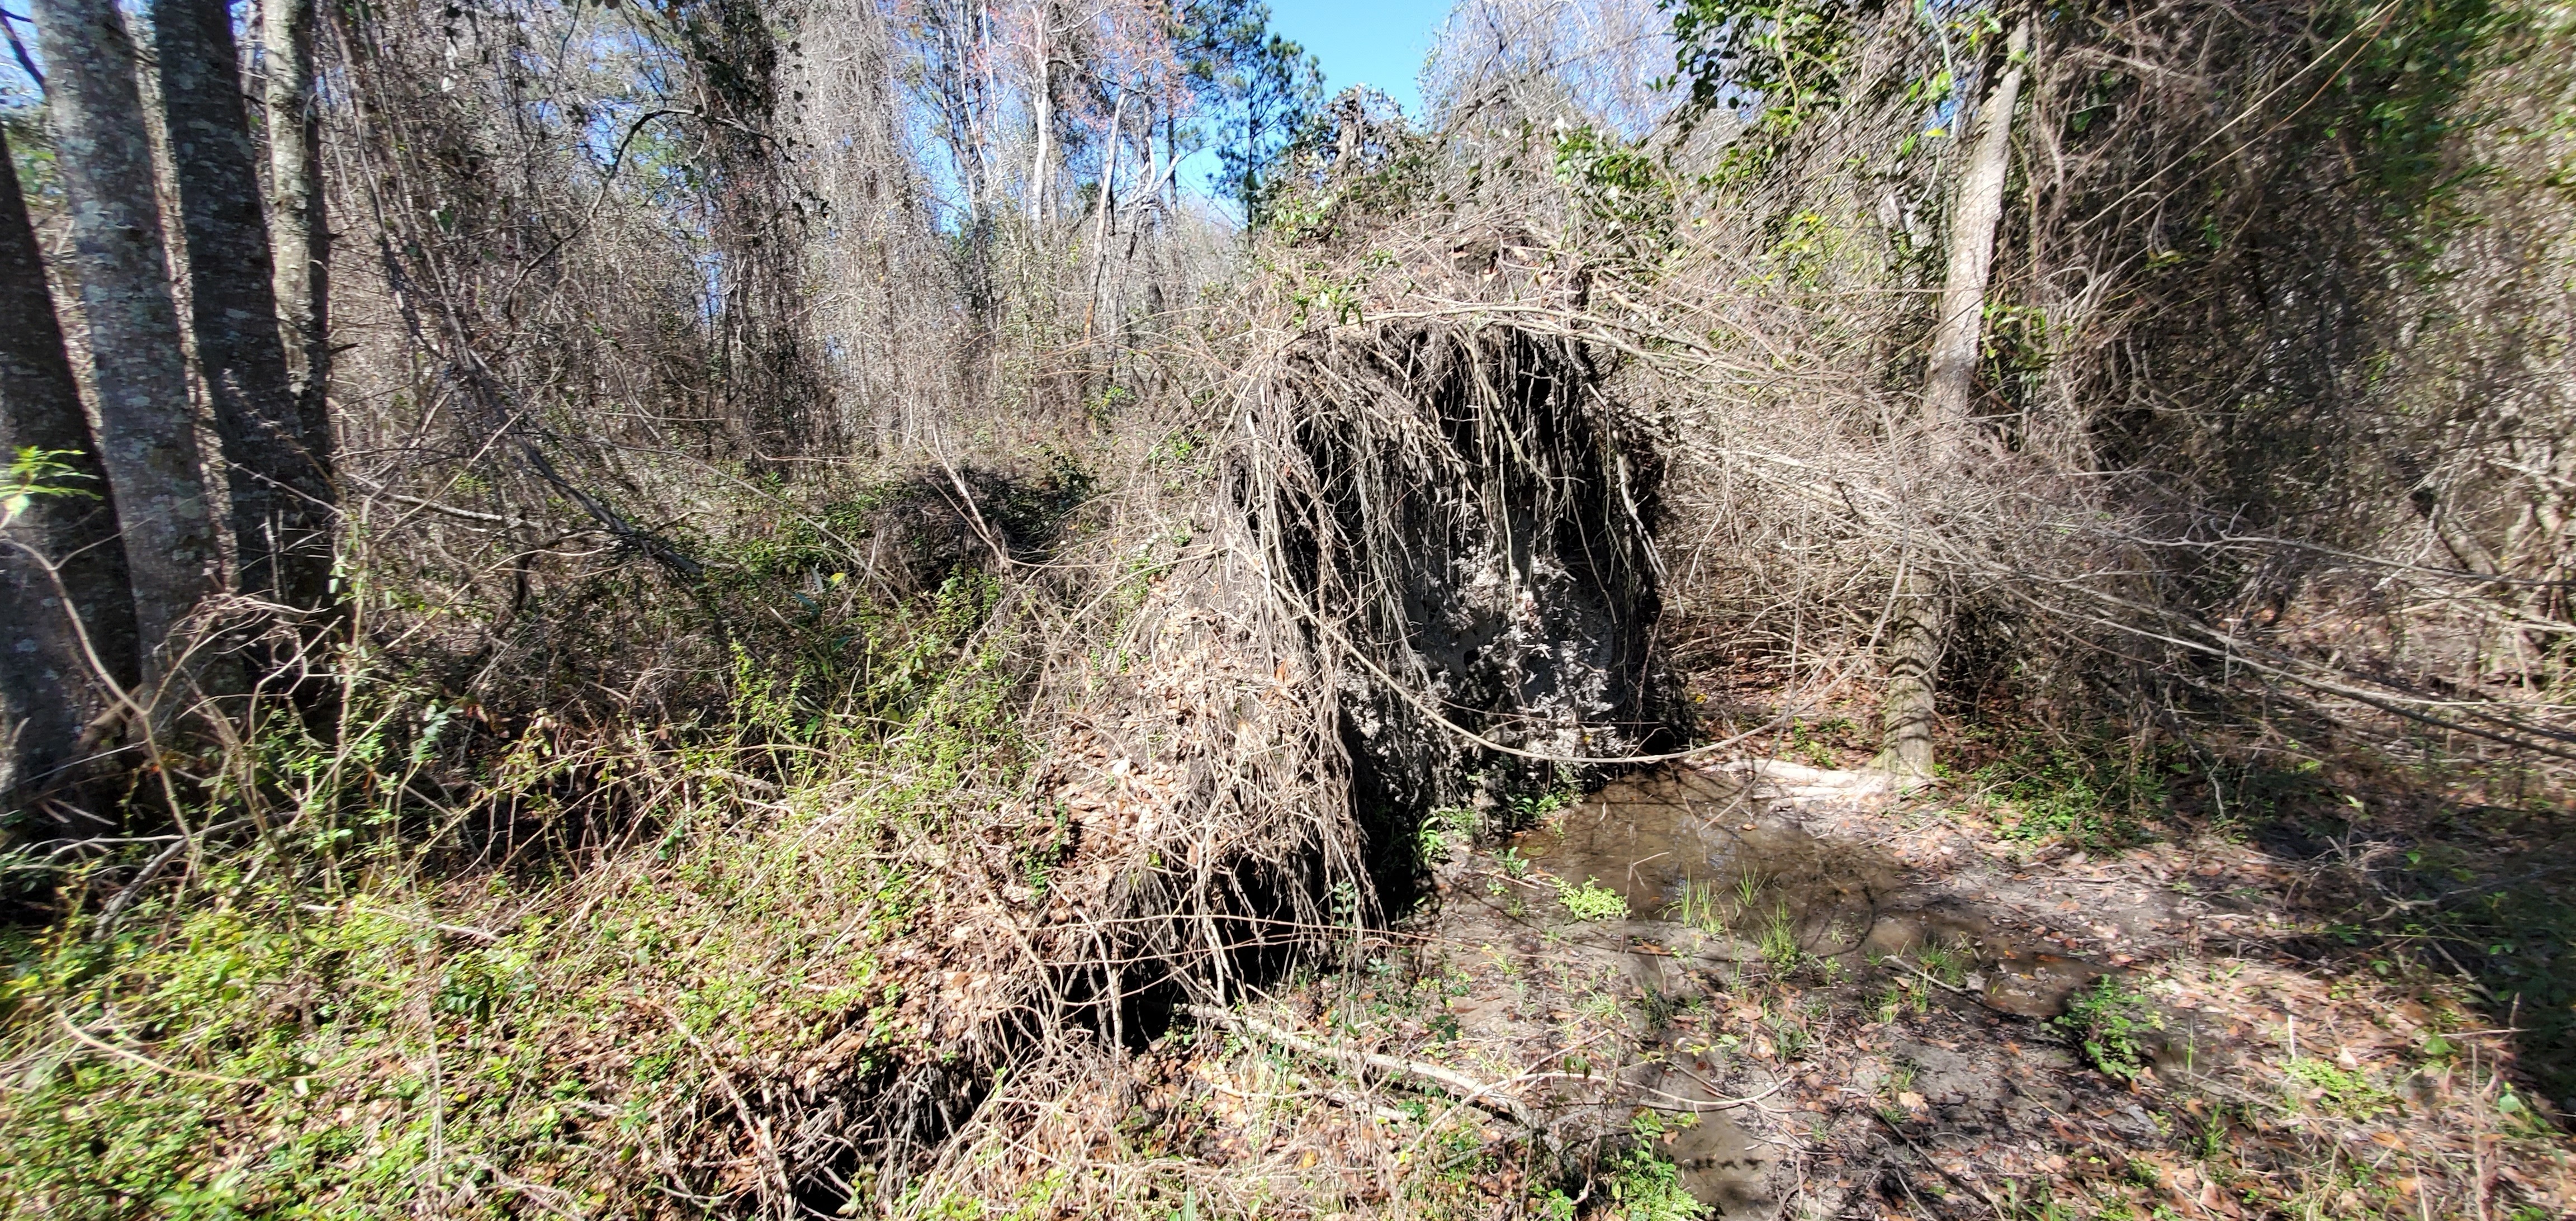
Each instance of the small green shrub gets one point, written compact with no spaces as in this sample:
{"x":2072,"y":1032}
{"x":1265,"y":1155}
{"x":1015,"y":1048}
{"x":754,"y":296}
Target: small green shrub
{"x":1528,"y":809}
{"x":1591,"y":901}
{"x":1644,"y":1185}
{"x":2107,"y":1020}
{"x":1443,"y":832}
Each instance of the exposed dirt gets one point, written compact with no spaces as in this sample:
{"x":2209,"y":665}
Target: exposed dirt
{"x":1841,"y":1004}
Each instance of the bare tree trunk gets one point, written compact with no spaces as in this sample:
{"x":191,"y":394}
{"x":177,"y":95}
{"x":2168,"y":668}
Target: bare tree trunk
{"x":776,"y":388}
{"x":147,"y":438}
{"x":1920,"y":632}
{"x":1979,"y":207}
{"x":1106,"y":203}
{"x":1044,"y":102}
{"x":281,"y":490}
{"x":61,"y":557}
{"x":299,"y":224}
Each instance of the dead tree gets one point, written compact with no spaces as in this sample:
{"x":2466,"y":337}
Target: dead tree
{"x":147,"y":438}
{"x":62,"y":567}
{"x":1922,"y":612}
{"x":280,"y":488}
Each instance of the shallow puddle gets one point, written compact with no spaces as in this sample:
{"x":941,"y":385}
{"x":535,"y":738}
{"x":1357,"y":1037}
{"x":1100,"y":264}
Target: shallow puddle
{"x":1688,"y":847}
{"x":1693,"y":850}
{"x":1721,"y":1164}
{"x":1731,"y":903}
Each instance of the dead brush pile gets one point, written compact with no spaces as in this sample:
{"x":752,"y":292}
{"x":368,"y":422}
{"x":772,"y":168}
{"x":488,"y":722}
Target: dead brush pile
{"x":1417,"y":575}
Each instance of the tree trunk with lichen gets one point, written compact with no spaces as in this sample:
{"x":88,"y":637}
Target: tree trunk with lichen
{"x":147,"y":434}
{"x":62,"y":566}
{"x":1919,"y":633}
{"x":282,"y":498}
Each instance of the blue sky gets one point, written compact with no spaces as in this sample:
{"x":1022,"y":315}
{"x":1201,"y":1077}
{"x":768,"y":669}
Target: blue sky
{"x":1365,"y":42}
{"x":1356,"y":42}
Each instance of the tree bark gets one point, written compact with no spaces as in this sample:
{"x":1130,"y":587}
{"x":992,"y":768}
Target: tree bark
{"x":1952,"y":370}
{"x":1909,"y":711}
{"x":299,"y":222}
{"x":281,"y":488}
{"x":49,"y":691}
{"x":147,"y":436}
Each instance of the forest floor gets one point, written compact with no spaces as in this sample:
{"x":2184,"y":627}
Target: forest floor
{"x":1796,"y":995}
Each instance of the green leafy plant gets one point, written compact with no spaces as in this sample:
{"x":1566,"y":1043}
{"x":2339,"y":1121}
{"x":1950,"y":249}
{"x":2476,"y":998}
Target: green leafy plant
{"x":38,"y":472}
{"x":1789,"y":1037}
{"x":1532,"y":807}
{"x":1622,"y":190}
{"x":1591,"y":900}
{"x":2341,"y":1091}
{"x":1643,"y":1184}
{"x":2108,"y":1021}
{"x":1444,"y":831}
{"x":1784,"y":60}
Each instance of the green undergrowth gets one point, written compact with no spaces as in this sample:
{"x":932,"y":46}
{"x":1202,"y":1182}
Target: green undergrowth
{"x":272,"y":1046}
{"x":1640,"y":1182}
{"x":2098,"y":793}
{"x":2474,"y":892}
{"x":363,"y":1012}
{"x":1591,"y":900}
{"x":271,"y":1043}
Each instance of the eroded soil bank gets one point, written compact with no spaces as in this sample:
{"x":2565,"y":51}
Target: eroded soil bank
{"x":1820,"y":1001}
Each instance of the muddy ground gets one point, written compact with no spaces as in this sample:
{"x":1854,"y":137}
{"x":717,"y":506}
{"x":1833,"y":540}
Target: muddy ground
{"x":1819,"y":1000}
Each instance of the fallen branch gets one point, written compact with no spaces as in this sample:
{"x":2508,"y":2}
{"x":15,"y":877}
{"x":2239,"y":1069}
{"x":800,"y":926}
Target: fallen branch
{"x":1672,"y":1101}
{"x":1929,"y":978}
{"x":1466,"y":1089}
{"x":144,"y":1060}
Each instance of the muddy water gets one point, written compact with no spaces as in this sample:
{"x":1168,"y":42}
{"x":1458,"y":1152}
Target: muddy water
{"x":1674,"y":836}
{"x":1692,"y":852}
